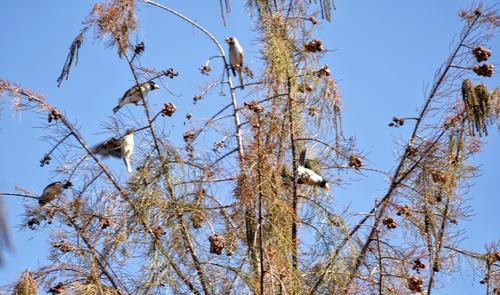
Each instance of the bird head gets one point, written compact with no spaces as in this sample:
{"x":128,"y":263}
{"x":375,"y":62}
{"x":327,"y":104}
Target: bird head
{"x":130,"y":131}
{"x":325,"y":185}
{"x":230,"y":40}
{"x":67,"y":184}
{"x":154,"y":85}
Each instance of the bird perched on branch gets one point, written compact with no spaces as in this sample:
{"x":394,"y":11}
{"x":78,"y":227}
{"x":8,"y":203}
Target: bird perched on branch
{"x":52,"y":191}
{"x":307,"y":175}
{"x":118,"y":148}
{"x":133,"y":95}
{"x":236,"y":58}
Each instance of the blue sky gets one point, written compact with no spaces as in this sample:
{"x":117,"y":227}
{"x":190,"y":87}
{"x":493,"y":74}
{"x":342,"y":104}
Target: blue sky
{"x":373,"y":43}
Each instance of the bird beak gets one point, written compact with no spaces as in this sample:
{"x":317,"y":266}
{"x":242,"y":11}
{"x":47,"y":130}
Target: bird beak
{"x":228,"y":40}
{"x":327,"y":187}
{"x":156,"y":86}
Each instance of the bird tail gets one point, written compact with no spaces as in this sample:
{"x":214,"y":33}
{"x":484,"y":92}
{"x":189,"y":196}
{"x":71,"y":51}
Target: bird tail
{"x":302,"y":157}
{"x":240,"y":74}
{"x":95,"y":149}
{"x":127,"y":163}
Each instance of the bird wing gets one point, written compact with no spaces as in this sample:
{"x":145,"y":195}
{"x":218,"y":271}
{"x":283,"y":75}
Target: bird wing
{"x":110,"y":147}
{"x":241,"y":58}
{"x":302,"y":176}
{"x":130,"y":92}
{"x":50,"y":192}
{"x":52,"y":187}
{"x":232,"y":60}
{"x":308,"y":176}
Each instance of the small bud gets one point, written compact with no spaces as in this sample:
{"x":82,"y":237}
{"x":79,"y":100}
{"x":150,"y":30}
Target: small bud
{"x":196,"y":220}
{"x":168,"y":109}
{"x":217,"y":243}
{"x":45,"y":160}
{"x":196,"y":98}
{"x":170,"y":73}
{"x":416,"y":284}
{"x":312,"y":111}
{"x":485,"y":70}
{"x":139,"y":48}
{"x":33,"y":223}
{"x":390,"y":223}
{"x":438,"y":177}
{"x":205,"y":69}
{"x":313,"y":20}
{"x":54,"y":115}
{"x":189,"y":136}
{"x":481,"y":53}
{"x":314,"y":46}
{"x":355,"y":162}
{"x":254,"y":106}
{"x":190,"y":150}
{"x":397,"y":122}
{"x":418,"y":265}
{"x":62,"y":246}
{"x":323,"y":72}
{"x":404,"y":210}
{"x":104,"y":223}
{"x":412,"y":152}
{"x":57,"y":289}
{"x":437,"y":265}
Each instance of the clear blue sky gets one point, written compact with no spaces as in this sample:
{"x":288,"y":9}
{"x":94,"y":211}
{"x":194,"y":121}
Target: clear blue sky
{"x":374,"y":43}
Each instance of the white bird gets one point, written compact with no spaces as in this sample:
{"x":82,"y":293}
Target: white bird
{"x":133,"y":95}
{"x":127,"y":148}
{"x":118,"y":148}
{"x":51,"y":191}
{"x":236,"y":58}
{"x":306,"y":175}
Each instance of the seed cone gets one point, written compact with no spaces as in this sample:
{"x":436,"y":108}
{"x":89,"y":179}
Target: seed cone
{"x":26,"y":285}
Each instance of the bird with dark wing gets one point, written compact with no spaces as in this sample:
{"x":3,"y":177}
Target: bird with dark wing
{"x":307,"y":175}
{"x":133,"y":95}
{"x":52,"y":191}
{"x":236,"y":58}
{"x":118,"y":148}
